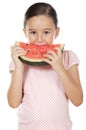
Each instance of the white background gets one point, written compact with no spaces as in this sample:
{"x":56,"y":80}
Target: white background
{"x":72,"y":22}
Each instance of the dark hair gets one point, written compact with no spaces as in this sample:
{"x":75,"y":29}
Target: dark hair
{"x":41,"y":9}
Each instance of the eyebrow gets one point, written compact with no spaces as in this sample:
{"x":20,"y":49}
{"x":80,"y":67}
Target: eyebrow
{"x":36,"y":29}
{"x":48,"y":29}
{"x":31,"y":29}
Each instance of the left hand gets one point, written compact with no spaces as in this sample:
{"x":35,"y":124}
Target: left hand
{"x":54,"y":59}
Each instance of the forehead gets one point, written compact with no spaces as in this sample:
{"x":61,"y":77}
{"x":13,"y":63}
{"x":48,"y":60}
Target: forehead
{"x":40,"y":21}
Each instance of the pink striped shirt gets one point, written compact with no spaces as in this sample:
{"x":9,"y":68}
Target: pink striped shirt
{"x":45,"y":105}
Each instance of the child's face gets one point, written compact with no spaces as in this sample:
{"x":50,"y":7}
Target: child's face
{"x":41,"y":30}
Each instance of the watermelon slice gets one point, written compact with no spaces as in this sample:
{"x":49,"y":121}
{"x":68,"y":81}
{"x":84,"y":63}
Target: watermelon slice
{"x":34,"y":55}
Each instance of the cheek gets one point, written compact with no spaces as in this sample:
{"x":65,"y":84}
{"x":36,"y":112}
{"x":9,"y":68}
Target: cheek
{"x":49,"y":40}
{"x":29,"y":37}
{"x":52,"y":37}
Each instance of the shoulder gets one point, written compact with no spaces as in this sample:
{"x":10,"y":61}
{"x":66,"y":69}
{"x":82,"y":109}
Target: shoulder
{"x":70,"y":58}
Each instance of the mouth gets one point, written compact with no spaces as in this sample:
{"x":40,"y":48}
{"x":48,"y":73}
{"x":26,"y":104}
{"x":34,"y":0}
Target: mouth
{"x":44,"y":43}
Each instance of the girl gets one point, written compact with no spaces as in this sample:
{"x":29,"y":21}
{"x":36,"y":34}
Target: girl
{"x":43,"y":92}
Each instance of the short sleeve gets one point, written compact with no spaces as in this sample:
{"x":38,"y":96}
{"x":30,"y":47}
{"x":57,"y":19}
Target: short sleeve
{"x":70,"y":59}
{"x":11,"y":66}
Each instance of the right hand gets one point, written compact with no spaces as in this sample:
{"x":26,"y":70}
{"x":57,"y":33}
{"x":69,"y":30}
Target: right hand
{"x":15,"y":53}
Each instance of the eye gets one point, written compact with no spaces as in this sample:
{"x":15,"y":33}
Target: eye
{"x":46,"y":32}
{"x":33,"y":32}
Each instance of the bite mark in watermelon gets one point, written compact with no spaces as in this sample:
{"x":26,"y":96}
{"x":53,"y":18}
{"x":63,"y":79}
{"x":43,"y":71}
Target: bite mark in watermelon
{"x":34,"y":55}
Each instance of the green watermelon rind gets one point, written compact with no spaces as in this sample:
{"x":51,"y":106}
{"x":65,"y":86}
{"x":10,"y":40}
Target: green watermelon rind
{"x":34,"y":62}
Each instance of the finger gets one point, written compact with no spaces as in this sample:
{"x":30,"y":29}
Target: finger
{"x":53,"y":54}
{"x":18,"y":54}
{"x":13,"y":48}
{"x":47,"y":60}
{"x":49,"y":56}
{"x":59,"y":51}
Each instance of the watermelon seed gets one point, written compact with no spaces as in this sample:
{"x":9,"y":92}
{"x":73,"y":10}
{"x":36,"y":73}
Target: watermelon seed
{"x":27,"y":50}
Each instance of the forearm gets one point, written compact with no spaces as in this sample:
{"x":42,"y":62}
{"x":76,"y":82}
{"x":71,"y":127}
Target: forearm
{"x":15,"y":89}
{"x":72,"y":89}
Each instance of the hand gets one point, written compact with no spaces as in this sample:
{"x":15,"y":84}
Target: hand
{"x":55,"y":60}
{"x":15,"y":53}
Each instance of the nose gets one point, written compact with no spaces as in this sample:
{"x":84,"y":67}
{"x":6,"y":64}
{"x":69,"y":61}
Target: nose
{"x":39,"y":39}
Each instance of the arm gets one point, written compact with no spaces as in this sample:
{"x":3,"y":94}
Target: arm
{"x":69,"y":78}
{"x":72,"y":86}
{"x":14,"y":94}
{"x":15,"y":90}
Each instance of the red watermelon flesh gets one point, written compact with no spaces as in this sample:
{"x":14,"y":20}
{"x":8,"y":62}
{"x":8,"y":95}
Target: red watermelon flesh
{"x":35,"y":53}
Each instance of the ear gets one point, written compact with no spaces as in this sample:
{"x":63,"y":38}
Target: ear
{"x":24,"y":30}
{"x":57,"y":32}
